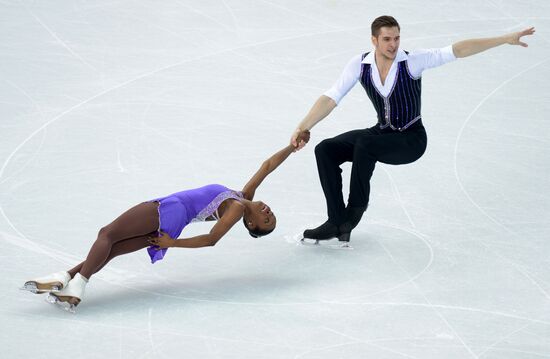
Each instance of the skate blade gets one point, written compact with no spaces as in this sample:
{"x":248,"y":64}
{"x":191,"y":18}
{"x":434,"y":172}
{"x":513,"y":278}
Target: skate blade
{"x":33,"y":288}
{"x":299,"y":240}
{"x":329,"y":244}
{"x":71,"y":308}
{"x":309,"y":242}
{"x":341,"y":245}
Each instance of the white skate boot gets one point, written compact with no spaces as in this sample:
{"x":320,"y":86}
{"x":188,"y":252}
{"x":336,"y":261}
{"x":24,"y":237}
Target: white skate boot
{"x":70,"y":296}
{"x":50,"y":283}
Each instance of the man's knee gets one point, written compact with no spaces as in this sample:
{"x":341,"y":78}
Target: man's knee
{"x":325,"y":147}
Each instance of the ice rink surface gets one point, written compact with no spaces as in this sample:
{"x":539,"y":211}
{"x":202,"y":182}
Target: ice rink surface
{"x":105,"y":104}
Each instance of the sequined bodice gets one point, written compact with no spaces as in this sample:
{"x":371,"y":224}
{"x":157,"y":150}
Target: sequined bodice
{"x":215,"y":203}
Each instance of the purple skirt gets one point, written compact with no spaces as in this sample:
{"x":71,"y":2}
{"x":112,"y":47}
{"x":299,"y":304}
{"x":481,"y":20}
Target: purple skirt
{"x":172,"y":220}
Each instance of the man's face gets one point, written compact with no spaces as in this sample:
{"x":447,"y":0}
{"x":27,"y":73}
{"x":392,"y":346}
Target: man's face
{"x":387,"y":42}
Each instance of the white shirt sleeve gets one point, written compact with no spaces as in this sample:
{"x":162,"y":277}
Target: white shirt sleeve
{"x":346,"y":81}
{"x":421,"y":60}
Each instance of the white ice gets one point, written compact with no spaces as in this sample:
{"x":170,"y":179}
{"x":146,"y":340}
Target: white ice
{"x":104,"y":104}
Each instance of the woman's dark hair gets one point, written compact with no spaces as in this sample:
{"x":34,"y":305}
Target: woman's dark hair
{"x":257,"y":233}
{"x":383,"y":21}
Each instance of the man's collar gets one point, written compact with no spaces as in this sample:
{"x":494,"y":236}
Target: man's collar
{"x":401,"y":56}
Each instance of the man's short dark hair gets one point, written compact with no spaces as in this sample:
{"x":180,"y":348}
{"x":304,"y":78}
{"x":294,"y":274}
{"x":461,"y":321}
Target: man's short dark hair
{"x":383,"y":21}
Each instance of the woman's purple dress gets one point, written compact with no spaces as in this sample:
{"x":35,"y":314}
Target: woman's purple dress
{"x":195,"y":205}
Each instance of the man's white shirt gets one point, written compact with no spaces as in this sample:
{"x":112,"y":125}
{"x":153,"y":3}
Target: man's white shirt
{"x":417,"y":61}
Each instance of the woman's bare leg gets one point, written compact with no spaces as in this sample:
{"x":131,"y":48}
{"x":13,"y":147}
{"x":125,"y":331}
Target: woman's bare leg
{"x":138,"y":221}
{"x":124,"y":247}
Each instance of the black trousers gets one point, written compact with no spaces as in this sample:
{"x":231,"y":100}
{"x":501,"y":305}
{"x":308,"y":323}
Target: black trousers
{"x":363,"y":148}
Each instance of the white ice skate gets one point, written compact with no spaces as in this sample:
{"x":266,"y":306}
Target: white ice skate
{"x":50,"y":283}
{"x":71,"y":295}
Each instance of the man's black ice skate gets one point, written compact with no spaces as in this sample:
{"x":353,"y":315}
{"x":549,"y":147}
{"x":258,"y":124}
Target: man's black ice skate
{"x":353,"y":217}
{"x":325,"y":231}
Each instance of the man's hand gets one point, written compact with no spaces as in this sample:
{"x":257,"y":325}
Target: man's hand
{"x":471,"y":47}
{"x":299,"y":139}
{"x":514,"y":38}
{"x":164,"y":241}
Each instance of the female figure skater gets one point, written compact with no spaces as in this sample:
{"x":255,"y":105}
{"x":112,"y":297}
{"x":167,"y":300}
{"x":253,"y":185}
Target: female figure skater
{"x":157,"y":222}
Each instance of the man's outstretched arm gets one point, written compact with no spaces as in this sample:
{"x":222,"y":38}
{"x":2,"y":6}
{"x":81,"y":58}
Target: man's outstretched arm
{"x":474,"y":46}
{"x":320,"y":109}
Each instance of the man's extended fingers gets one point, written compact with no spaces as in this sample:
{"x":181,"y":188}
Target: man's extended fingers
{"x":529,"y":31}
{"x":516,"y":37}
{"x":526,"y":32}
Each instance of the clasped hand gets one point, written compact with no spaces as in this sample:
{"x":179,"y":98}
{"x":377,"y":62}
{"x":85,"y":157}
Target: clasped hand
{"x":299,"y":139}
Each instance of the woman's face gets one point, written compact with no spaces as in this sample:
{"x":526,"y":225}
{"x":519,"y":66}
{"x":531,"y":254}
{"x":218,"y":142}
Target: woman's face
{"x":260,"y":217}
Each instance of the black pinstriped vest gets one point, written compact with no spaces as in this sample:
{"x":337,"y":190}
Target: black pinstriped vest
{"x":401,"y":108}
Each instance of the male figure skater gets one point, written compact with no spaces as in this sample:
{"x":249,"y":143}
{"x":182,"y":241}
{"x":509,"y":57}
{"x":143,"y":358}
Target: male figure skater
{"x":392,"y":79}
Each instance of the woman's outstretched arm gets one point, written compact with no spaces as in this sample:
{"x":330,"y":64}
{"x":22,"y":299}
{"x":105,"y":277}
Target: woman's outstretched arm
{"x":269,"y":166}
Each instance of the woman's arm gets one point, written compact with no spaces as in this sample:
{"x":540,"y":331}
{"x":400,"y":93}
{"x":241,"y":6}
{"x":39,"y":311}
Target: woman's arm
{"x":233,"y":214}
{"x":269,"y":166}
